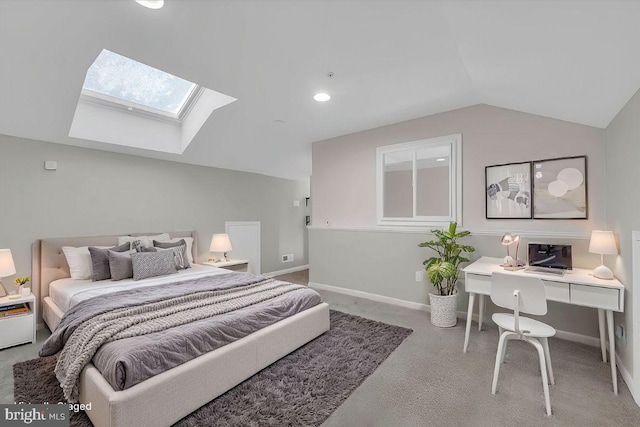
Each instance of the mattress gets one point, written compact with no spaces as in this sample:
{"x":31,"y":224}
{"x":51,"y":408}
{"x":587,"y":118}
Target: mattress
{"x":133,"y":358}
{"x":66,"y":293}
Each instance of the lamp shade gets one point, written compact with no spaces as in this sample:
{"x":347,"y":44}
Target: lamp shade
{"x":7,"y":267}
{"x":507,"y":239}
{"x":603,"y":243}
{"x":220,"y":243}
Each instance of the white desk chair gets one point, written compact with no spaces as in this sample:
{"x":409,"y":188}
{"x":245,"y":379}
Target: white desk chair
{"x":522,"y":295}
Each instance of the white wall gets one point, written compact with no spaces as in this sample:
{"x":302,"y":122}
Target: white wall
{"x":622,"y":202}
{"x":100,"y":193}
{"x":350,"y":253}
{"x":344,"y":168}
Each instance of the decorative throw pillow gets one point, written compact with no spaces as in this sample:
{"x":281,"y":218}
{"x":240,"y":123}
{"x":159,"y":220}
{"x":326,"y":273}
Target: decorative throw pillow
{"x":147,"y":241}
{"x":100,"y":261}
{"x":120,"y":265}
{"x":79,"y":260}
{"x":151,"y":264}
{"x":179,"y":255}
{"x":160,"y":243}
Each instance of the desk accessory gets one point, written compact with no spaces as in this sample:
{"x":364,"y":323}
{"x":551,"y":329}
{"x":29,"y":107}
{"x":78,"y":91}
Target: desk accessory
{"x":603,"y":243}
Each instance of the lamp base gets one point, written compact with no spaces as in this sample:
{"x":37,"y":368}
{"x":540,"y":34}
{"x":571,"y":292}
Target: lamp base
{"x":603,"y":272}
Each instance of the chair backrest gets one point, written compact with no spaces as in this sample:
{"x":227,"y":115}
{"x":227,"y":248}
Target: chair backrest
{"x":532,"y":299}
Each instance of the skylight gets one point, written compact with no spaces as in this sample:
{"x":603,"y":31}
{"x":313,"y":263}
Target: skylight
{"x":127,"y":103}
{"x":121,"y":80}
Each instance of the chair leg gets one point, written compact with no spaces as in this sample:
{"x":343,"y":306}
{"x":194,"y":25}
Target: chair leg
{"x":504,"y":348}
{"x":547,"y":355}
{"x":496,"y":370}
{"x":543,"y":371}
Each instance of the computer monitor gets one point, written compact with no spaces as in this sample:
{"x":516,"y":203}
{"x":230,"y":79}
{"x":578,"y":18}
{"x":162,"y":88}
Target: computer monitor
{"x":550,"y":256}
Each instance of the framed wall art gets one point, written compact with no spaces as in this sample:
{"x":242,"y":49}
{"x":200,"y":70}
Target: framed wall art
{"x":508,"y":191}
{"x":560,"y":188}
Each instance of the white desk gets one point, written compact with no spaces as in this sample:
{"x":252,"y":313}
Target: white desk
{"x":577,"y":287}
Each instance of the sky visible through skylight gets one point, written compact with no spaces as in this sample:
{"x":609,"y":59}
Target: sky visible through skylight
{"x":120,"y":77}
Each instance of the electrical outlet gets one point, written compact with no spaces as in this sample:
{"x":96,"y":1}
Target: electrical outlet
{"x":287,"y":258}
{"x":621,"y":334}
{"x":419,"y":276}
{"x":296,"y":203}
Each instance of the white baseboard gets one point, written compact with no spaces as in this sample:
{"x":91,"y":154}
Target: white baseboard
{"x":287,"y":271}
{"x":373,"y":297}
{"x":579,"y":338}
{"x":568,"y":336}
{"x":628,"y":379}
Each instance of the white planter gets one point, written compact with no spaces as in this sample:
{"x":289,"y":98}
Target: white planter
{"x":444,"y":310}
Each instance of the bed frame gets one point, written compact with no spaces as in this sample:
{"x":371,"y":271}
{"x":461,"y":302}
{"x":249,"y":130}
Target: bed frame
{"x":173,"y":394}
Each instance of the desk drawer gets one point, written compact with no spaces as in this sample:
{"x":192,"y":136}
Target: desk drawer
{"x":556,"y":291}
{"x":478,"y":284}
{"x":594,"y":296}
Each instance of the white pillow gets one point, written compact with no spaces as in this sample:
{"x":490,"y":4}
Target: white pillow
{"x":187,"y":240}
{"x":79,"y":260}
{"x":147,"y":241}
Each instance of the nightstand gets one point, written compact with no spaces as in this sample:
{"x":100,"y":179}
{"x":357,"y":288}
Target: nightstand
{"x":232,"y":264}
{"x":19,"y":329}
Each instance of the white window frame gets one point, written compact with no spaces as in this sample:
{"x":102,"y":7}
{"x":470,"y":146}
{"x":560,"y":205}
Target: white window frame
{"x":455,"y":182}
{"x":129,"y":107}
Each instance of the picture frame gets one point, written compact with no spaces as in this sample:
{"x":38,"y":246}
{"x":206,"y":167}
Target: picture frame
{"x":560,"y":189}
{"x":508,"y":191}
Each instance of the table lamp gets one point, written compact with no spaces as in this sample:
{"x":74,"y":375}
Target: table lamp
{"x":221,"y":243}
{"x":7,"y":268}
{"x":507,"y":240}
{"x":603,"y":243}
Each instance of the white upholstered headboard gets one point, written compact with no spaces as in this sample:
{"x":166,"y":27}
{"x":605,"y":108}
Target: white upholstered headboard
{"x":48,"y":263}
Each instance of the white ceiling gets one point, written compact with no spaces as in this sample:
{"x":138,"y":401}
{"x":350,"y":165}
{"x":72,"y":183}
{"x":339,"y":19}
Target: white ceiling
{"x":393,"y":61}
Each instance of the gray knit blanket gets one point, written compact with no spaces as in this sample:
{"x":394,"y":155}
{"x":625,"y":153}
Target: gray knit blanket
{"x":148,"y":318}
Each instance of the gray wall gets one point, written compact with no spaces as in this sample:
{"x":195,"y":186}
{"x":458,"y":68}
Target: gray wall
{"x":385,"y":262}
{"x":622,"y":138}
{"x":100,"y":193}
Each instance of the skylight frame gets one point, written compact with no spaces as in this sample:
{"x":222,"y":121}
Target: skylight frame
{"x":129,"y":106}
{"x":119,"y":104}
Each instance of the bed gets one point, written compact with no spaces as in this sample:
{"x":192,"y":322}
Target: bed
{"x":168,"y":396}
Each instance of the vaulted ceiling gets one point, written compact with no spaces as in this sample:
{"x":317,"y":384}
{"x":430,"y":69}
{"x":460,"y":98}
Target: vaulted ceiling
{"x":392,"y":61}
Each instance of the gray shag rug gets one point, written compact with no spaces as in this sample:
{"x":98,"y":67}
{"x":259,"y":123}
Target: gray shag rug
{"x":301,"y":389}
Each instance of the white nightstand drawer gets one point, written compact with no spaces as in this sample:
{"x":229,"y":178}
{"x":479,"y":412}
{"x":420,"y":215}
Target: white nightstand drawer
{"x":555,"y":291}
{"x":477,"y":283}
{"x":593,"y":296}
{"x":237,"y":267}
{"x":16,"y":330}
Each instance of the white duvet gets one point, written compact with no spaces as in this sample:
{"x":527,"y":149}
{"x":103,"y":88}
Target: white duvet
{"x":68,"y":292}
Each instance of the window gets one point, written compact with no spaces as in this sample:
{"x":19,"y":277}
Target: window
{"x":120,"y":82}
{"x":420,"y":182}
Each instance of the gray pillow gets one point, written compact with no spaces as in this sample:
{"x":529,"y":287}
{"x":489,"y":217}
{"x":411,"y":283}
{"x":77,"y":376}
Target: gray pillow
{"x":152,"y":264}
{"x":166,"y":245}
{"x":179,"y":255}
{"x":100,"y":261}
{"x":120,"y":265}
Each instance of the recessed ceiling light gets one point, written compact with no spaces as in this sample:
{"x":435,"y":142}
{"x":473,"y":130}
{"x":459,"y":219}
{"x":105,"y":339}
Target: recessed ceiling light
{"x":151,"y":4}
{"x":321,"y":97}
{"x":441,"y":159}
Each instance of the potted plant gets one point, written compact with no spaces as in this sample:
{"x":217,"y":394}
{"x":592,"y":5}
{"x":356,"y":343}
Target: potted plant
{"x":443,"y":270}
{"x":20,"y":282}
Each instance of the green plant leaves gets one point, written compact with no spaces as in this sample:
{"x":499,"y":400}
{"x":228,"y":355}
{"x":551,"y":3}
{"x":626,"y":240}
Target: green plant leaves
{"x":443,"y":269}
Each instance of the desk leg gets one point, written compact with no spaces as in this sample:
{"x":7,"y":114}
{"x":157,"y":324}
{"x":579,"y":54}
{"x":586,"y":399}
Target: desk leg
{"x":612,"y":352}
{"x":480,"y":311}
{"x":603,"y":334}
{"x":472,"y":298}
